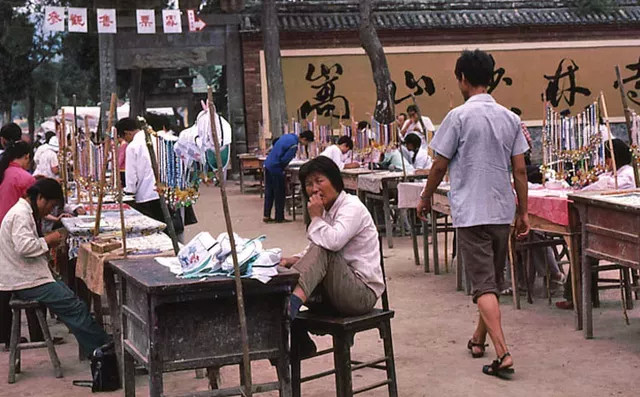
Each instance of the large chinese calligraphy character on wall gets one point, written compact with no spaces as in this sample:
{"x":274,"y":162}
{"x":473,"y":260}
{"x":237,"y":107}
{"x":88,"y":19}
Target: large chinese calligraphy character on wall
{"x":569,"y":74}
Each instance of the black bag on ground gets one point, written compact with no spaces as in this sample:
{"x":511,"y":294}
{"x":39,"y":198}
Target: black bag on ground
{"x":190,"y":216}
{"x":104,"y":370}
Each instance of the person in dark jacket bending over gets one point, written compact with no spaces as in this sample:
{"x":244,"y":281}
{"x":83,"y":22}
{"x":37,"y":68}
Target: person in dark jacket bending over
{"x":282,"y":152}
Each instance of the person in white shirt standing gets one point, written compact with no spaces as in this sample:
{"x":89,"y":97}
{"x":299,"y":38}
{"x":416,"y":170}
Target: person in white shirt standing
{"x":482,"y":145}
{"x":46,"y":157}
{"x":338,"y":151}
{"x":140,"y":179}
{"x":414,"y":125}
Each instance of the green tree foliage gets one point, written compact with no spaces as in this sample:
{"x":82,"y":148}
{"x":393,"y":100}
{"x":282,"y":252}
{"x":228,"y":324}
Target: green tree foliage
{"x":598,"y":6}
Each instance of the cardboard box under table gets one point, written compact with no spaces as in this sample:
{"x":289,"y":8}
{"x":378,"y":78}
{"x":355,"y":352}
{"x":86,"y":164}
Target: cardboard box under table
{"x":610,"y":231}
{"x":172,"y":324}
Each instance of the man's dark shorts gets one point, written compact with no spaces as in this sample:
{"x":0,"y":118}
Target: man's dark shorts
{"x":484,"y":252}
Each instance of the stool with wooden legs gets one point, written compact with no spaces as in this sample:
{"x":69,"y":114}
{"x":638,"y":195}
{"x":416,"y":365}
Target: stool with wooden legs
{"x":343,"y":331}
{"x":16,"y":347}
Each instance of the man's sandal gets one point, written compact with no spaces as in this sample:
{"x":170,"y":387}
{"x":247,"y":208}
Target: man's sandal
{"x":494,"y":368}
{"x":471,"y":344}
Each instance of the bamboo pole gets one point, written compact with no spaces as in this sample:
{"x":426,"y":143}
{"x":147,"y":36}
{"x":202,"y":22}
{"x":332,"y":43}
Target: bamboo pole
{"x":63,"y":150}
{"x":248,"y":388}
{"x":627,"y":118}
{"x":606,"y":121}
{"x":74,"y":144}
{"x":103,"y":171}
{"x":116,"y":168}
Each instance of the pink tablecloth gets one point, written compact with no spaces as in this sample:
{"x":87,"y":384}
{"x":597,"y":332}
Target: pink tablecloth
{"x":551,"y":208}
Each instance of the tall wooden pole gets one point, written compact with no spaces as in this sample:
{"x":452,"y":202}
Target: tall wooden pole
{"x":606,"y":121}
{"x":627,"y":118}
{"x":103,"y":171}
{"x":63,"y":150}
{"x":116,"y":171}
{"x":248,"y":388}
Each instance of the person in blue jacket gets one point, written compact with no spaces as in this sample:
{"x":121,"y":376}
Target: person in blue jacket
{"x":283,"y":151}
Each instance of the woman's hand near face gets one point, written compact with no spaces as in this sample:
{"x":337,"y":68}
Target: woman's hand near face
{"x":315,"y":206}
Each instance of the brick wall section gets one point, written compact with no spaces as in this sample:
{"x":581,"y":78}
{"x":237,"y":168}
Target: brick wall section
{"x":252,"y":44}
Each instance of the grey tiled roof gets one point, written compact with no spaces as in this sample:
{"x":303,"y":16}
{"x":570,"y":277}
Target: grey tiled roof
{"x":340,"y":15}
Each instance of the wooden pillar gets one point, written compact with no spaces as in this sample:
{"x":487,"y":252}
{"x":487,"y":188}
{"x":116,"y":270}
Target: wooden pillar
{"x":235,"y":93}
{"x":275,"y":82}
{"x":108,"y":85}
{"x":136,"y":94}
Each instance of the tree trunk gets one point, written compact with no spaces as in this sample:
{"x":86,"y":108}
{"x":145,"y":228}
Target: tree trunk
{"x":384,"y":112}
{"x":31,"y":115}
{"x":275,"y":83}
{"x":5,"y":112}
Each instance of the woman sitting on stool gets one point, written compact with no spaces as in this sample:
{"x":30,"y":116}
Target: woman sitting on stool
{"x":341,"y":264}
{"x":24,"y":269}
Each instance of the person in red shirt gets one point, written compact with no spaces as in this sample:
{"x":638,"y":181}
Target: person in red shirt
{"x":14,"y":182}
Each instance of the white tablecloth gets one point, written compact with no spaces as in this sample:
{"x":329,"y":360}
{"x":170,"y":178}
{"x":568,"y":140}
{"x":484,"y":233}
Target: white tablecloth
{"x":409,"y":193}
{"x":373,"y":182}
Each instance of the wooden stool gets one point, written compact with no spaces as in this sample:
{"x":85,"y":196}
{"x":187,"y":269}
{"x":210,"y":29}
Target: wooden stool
{"x":343,"y":330}
{"x":15,"y":346}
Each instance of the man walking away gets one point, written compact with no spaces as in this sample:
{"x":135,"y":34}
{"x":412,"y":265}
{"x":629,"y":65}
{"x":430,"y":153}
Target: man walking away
{"x":479,"y":142}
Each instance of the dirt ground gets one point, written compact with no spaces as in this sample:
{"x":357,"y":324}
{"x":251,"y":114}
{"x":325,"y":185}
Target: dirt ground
{"x":431,"y":327}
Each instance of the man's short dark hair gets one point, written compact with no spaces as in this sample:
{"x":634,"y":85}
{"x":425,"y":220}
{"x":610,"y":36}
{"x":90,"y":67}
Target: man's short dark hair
{"x":48,"y":135}
{"x":11,"y":132}
{"x":620,"y":151}
{"x":412,"y":109}
{"x":308,"y":135}
{"x":476,"y":67}
{"x":404,"y":115}
{"x":363,"y":125}
{"x":346,"y":140}
{"x":322,"y":165}
{"x":413,"y":139}
{"x":127,"y":124}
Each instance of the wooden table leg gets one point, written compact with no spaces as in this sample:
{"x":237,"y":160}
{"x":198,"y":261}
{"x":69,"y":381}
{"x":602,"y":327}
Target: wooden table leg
{"x":387,"y":215}
{"x":575,"y":263}
{"x":425,"y":245}
{"x":414,"y":238}
{"x":241,"y":177}
{"x":459,"y":266}
{"x":129,"y":375}
{"x":293,"y":199}
{"x":114,"y":313}
{"x":587,"y":306}
{"x":514,"y":271}
{"x":434,"y":242}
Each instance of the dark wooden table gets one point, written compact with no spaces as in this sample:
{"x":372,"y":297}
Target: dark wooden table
{"x":251,"y":165}
{"x":610,"y":231}
{"x":171,"y":324}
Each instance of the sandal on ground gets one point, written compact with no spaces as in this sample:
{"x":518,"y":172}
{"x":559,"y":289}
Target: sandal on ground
{"x":471,"y":344}
{"x":494,"y":368}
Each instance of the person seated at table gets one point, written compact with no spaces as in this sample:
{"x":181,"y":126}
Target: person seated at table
{"x":341,"y":264}
{"x":24,"y":269}
{"x":337,"y":151}
{"x":394,"y":161}
{"x":416,"y":154}
{"x":46,"y":157}
{"x":281,"y":154}
{"x":605,"y":182}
